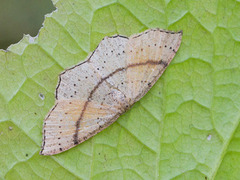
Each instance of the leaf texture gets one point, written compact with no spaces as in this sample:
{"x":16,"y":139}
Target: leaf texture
{"x":186,"y":127}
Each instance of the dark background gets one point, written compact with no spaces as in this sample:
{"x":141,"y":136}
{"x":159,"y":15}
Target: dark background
{"x":18,"y":17}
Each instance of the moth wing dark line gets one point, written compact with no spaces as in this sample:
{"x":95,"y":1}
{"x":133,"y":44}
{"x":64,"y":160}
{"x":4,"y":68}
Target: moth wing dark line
{"x":92,"y":95}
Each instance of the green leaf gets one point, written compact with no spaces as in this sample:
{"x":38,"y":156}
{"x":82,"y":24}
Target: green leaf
{"x":186,"y":127}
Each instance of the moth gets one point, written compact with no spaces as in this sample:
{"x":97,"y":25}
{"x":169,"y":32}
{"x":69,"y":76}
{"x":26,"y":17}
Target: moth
{"x":93,"y":94}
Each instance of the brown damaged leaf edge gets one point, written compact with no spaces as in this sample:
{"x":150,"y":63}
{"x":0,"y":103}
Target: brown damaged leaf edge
{"x":93,"y":94}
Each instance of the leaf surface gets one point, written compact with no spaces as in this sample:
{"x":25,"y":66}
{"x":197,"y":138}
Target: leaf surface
{"x":186,"y":127}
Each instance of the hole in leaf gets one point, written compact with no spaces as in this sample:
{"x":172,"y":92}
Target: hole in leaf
{"x":18,"y":17}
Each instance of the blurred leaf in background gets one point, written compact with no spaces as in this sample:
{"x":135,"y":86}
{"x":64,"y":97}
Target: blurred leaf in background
{"x":18,"y":17}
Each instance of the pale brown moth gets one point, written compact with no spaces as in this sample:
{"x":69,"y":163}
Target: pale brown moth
{"x":93,"y":94}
